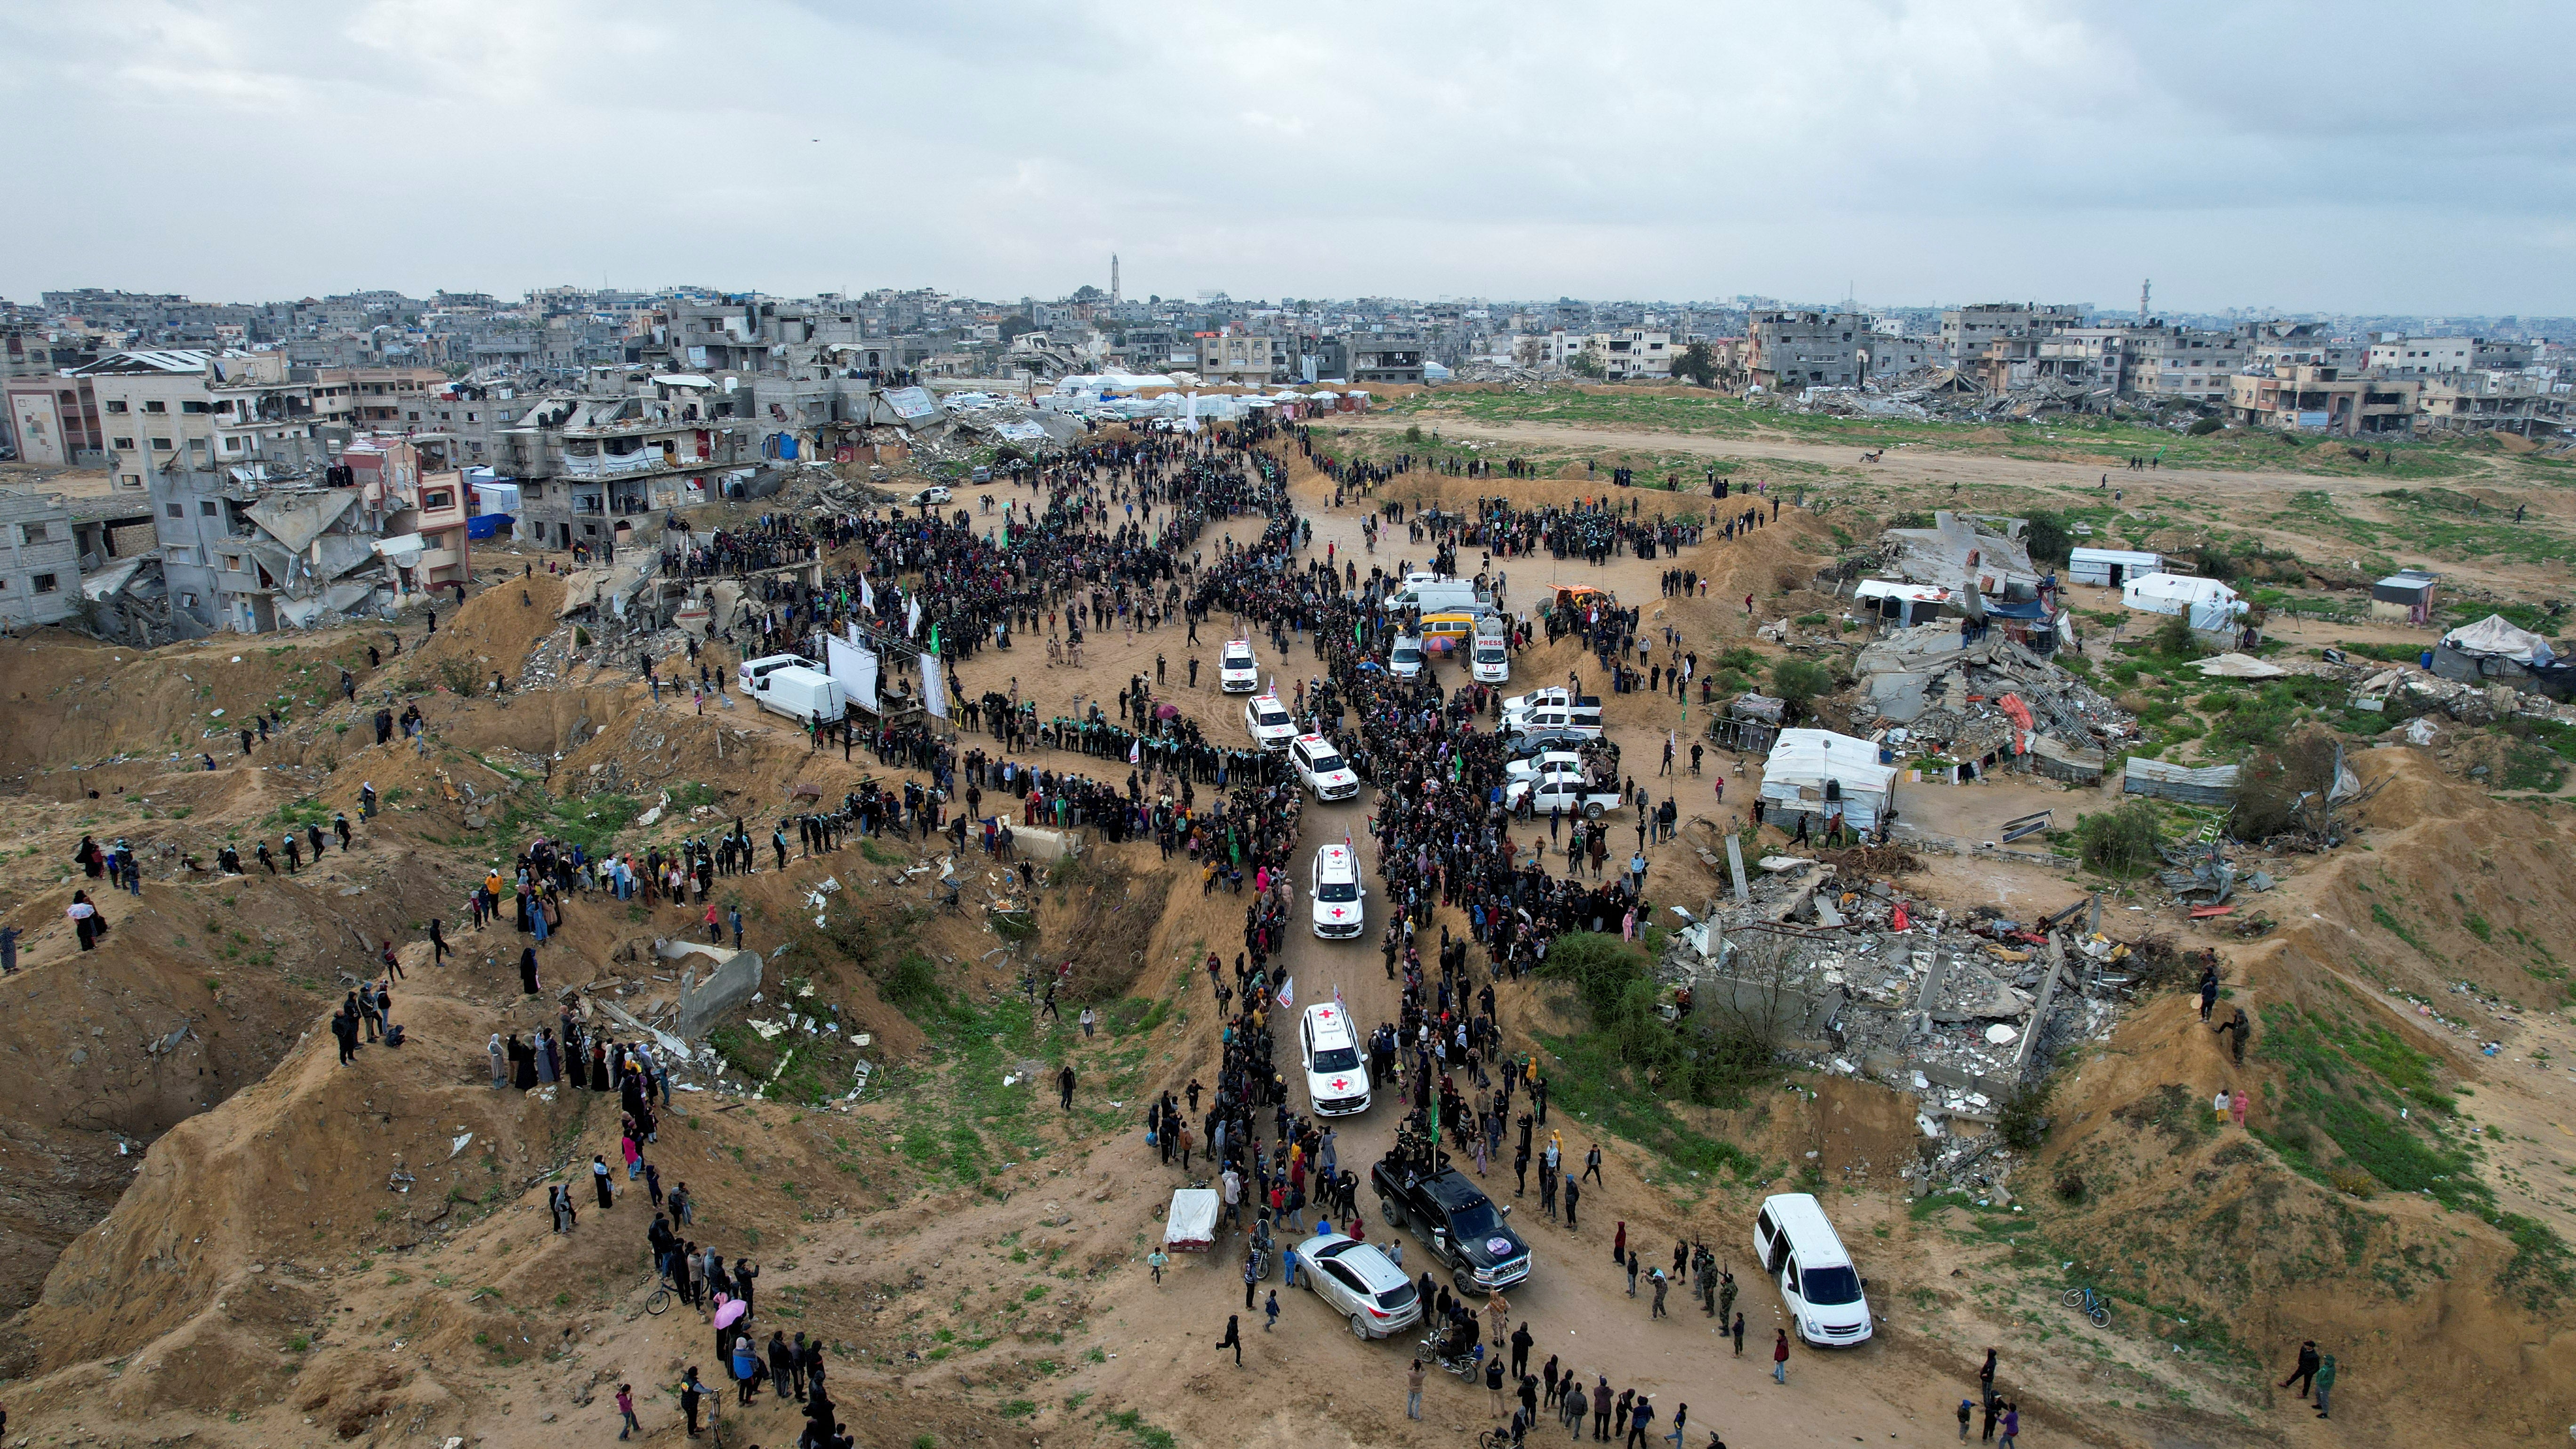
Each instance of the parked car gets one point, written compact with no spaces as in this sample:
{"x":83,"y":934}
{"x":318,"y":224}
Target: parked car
{"x":803,"y":695}
{"x":1321,"y":769}
{"x":1360,"y":1282}
{"x":1827,"y":1298}
{"x":747,"y":674}
{"x":930,"y":496}
{"x":1562,"y":787}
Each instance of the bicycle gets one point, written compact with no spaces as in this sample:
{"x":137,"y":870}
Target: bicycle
{"x":1497,"y":1439}
{"x":659,"y":1301}
{"x":2091,"y":1306}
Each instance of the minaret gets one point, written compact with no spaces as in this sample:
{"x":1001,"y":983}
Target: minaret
{"x":1113,"y":279}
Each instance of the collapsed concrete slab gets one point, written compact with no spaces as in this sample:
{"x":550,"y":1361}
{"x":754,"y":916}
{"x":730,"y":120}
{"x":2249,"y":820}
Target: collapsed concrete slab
{"x":730,"y":980}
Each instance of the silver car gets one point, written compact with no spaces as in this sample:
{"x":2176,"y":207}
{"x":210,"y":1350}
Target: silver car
{"x":1361,"y":1283}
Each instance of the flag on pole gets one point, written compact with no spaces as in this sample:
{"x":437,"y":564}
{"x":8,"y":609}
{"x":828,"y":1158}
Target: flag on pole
{"x":912,"y":620}
{"x":1287,"y":993}
{"x":867,"y":596}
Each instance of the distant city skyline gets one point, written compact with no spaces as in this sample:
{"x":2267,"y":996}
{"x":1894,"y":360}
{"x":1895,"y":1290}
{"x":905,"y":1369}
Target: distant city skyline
{"x":2258,"y":159}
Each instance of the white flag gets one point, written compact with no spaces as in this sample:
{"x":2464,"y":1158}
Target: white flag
{"x":1287,"y":993}
{"x":867,"y":596}
{"x":934,"y":691}
{"x":912,"y":621}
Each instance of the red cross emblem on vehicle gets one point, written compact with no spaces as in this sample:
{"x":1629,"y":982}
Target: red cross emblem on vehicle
{"x":1338,"y":913}
{"x":1338,"y":1083}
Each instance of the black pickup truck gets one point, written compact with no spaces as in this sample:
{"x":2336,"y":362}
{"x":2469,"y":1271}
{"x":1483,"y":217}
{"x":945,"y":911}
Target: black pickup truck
{"x":1453,"y":1217}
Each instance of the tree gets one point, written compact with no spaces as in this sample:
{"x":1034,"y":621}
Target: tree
{"x":1698,"y":364}
{"x":1584,"y":365}
{"x":1799,"y":682}
{"x":2049,"y":540}
{"x":1013,"y":326}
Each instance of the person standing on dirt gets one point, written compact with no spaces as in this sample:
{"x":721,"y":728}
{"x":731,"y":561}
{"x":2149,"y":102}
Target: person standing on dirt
{"x":2208,"y":988}
{"x":2305,"y":1373}
{"x":692,"y":1393}
{"x":1064,"y":1082}
{"x":344,"y":1026}
{"x":600,"y":1181}
{"x":528,"y":970}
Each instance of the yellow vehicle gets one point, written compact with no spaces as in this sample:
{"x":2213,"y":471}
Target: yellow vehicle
{"x":1453,"y":628}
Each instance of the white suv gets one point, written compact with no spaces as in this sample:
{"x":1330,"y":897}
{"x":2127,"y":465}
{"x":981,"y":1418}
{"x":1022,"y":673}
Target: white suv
{"x":1237,"y":672}
{"x":1338,"y":912}
{"x":1404,"y":661}
{"x":1271,"y":725}
{"x":1336,"y":1078}
{"x":1320,"y":767}
{"x":1359,"y":1281}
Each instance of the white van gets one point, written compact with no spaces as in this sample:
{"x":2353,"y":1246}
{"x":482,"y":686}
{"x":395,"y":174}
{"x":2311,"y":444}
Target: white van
{"x":747,"y":674}
{"x":1338,"y":912}
{"x":1336,"y":1078}
{"x":1404,"y":661}
{"x":1491,"y":663}
{"x":803,"y":695}
{"x":1799,"y":1248}
{"x":1435,"y":597}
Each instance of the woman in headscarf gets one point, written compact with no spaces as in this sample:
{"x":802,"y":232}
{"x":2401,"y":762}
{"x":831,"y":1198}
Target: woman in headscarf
{"x":561,"y":1203}
{"x":599,"y":1179}
{"x":500,"y":1064}
{"x":528,"y":969}
{"x":523,"y":1059}
{"x":84,"y":918}
{"x":549,"y":1056}
{"x":598,"y":1065}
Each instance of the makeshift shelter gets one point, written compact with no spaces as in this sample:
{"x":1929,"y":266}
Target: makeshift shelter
{"x":2110,"y":567}
{"x":2404,"y":597}
{"x":2496,"y":651}
{"x":1901,"y":604}
{"x":2214,"y":785}
{"x":2206,"y":603}
{"x":1820,"y":773}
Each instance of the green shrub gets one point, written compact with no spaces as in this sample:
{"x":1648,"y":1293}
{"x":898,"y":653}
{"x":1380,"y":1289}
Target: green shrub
{"x":1800,"y":681}
{"x":2122,"y":842}
{"x":2205,"y":427}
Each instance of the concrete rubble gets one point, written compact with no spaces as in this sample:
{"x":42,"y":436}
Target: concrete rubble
{"x":1935,"y":697}
{"x":1960,"y":1012}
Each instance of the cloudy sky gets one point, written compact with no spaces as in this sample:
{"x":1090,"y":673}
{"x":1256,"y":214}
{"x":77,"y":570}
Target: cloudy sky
{"x":2346,"y":157}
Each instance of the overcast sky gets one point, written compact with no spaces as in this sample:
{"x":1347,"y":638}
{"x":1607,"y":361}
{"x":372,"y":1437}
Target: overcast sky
{"x":2342,"y":157}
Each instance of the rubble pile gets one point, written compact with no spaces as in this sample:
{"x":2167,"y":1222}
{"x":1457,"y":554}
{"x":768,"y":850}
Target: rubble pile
{"x":1855,"y":982}
{"x":1937,"y":697}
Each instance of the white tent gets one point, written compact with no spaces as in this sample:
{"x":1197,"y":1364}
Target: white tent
{"x":2208,"y":603}
{"x":1816,"y":771}
{"x":2496,"y":637}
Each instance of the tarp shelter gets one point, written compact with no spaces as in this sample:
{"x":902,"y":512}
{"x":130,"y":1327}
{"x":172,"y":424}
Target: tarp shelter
{"x":1190,"y":1224}
{"x":2214,"y":785}
{"x":2110,"y":567}
{"x":1818,"y":772}
{"x":1904,"y":605}
{"x":2405,"y":596}
{"x":2496,"y":637}
{"x":2494,"y":650}
{"x":2206,"y":603}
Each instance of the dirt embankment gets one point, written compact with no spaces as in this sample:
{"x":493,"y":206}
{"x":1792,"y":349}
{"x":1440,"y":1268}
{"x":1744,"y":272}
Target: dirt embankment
{"x":2421,"y":1259}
